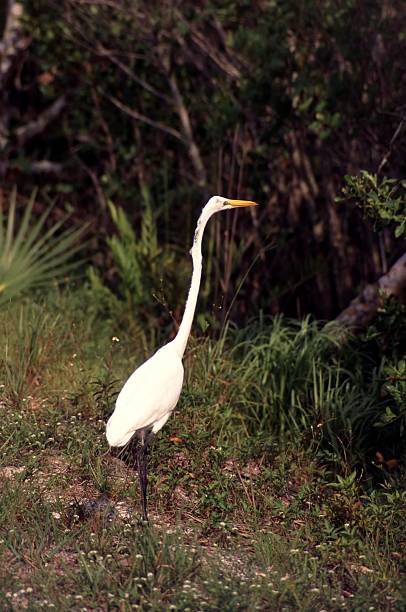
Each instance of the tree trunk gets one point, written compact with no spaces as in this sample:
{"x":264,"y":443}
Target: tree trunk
{"x":12,"y":45}
{"x":363,"y":308}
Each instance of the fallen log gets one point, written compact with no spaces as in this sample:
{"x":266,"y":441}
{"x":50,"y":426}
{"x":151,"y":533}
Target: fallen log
{"x":363,"y":309}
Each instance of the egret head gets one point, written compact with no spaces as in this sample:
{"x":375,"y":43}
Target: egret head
{"x":217,"y":203}
{"x":214,"y":205}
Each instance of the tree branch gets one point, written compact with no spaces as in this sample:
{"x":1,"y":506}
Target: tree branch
{"x":96,"y":184}
{"x":187,"y":132}
{"x":41,"y":166}
{"x":140,"y":117}
{"x":45,"y":166}
{"x":103,"y":52}
{"x":392,"y":142}
{"x":183,"y":114}
{"x":28,"y":131}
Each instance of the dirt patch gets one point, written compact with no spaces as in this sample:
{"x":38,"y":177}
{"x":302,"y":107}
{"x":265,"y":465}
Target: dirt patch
{"x":9,"y":471}
{"x":64,"y":559}
{"x":121,"y":474}
{"x":55,"y":481}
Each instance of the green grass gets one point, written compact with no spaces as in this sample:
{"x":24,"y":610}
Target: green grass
{"x":265,"y":491}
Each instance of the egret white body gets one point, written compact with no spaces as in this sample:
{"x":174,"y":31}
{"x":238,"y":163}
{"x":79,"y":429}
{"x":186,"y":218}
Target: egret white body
{"x":151,"y":393}
{"x":146,"y":401}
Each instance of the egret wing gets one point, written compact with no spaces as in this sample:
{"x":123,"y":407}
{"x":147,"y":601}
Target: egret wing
{"x":151,"y":392}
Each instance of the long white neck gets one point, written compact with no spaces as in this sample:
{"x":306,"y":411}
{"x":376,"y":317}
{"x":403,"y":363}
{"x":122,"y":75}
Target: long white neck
{"x":181,"y":338}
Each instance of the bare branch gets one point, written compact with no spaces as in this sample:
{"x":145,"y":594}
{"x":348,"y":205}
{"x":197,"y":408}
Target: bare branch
{"x":96,"y":184}
{"x":206,"y":47}
{"x":28,"y":131}
{"x":143,"y":118}
{"x":220,"y":59}
{"x":103,"y":52}
{"x":41,"y":166}
{"x":187,"y":132}
{"x":185,"y":123}
{"x":45,"y":166}
{"x":106,"y":130}
{"x":392,"y":142}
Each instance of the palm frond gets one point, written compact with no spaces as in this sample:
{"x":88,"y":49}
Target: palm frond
{"x":30,"y":256}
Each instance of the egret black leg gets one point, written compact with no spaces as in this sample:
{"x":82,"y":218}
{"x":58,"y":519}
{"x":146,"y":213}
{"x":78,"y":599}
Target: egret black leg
{"x":142,"y":465}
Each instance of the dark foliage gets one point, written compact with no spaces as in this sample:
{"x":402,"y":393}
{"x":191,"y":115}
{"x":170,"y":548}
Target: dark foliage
{"x":267,"y":100}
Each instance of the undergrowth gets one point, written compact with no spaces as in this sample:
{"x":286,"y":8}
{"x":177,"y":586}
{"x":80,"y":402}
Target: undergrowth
{"x":277,"y":484}
{"x":294,"y":382}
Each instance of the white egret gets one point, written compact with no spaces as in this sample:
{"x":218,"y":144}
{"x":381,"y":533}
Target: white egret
{"x":149,"y":396}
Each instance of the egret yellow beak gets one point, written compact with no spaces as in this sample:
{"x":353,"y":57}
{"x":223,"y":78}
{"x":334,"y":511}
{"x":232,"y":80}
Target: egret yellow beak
{"x":240,"y":203}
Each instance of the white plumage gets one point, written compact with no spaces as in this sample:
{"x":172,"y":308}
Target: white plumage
{"x":149,"y":396}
